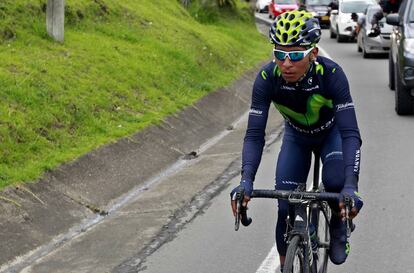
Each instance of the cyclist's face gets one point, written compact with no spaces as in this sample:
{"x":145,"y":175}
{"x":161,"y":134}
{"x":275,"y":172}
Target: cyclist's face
{"x":292,"y":71}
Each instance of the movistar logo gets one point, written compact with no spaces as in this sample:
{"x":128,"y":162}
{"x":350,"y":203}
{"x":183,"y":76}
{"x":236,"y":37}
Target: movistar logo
{"x":264,"y":75}
{"x":314,"y":105}
{"x":347,"y":248}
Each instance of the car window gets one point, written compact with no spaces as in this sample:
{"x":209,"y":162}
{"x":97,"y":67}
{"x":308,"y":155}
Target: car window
{"x":318,"y":2}
{"x":402,"y":9}
{"x":411,"y":13}
{"x":286,"y":2}
{"x":354,"y":6}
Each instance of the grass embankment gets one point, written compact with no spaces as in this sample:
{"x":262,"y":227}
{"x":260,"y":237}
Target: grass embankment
{"x":123,"y":66}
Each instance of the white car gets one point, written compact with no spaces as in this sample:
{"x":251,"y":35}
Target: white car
{"x":344,"y":19}
{"x":262,"y":5}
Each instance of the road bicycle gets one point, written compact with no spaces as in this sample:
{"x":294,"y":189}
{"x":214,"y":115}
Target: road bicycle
{"x":307,"y":234}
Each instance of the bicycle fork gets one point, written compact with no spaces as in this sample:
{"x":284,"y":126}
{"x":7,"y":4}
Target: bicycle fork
{"x":300,"y":227}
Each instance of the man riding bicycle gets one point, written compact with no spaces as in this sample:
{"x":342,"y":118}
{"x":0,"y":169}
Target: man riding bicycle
{"x":312,"y":94}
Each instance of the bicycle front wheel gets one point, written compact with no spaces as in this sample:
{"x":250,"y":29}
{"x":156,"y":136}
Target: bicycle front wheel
{"x":321,"y":217}
{"x":295,"y":260}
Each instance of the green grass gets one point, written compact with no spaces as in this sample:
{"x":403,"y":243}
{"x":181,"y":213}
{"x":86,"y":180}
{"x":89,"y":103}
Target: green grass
{"x":124,"y":65}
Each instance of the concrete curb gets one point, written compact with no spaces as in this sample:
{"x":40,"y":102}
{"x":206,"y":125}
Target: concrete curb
{"x":262,"y":20}
{"x":37,"y":213}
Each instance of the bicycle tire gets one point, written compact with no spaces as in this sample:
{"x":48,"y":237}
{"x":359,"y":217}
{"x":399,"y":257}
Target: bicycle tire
{"x":322,"y":229}
{"x":295,"y":260}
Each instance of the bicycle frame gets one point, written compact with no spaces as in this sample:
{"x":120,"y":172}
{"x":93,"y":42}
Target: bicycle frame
{"x":306,"y":213}
{"x":300,"y":226}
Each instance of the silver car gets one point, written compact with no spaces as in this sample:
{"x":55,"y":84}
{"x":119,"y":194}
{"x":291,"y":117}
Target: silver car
{"x":373,"y":45}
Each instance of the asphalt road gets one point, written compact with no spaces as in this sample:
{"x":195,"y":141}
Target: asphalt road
{"x":382,"y":241}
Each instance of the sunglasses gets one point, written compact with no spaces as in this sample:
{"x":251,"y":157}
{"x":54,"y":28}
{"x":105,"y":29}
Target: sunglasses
{"x":294,"y":56}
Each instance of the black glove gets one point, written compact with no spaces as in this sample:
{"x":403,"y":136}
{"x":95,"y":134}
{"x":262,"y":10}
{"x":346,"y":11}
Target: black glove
{"x":350,"y":189}
{"x":248,"y":189}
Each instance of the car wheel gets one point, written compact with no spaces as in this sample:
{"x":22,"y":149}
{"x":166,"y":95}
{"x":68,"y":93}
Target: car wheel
{"x":332,"y":34}
{"x":339,"y":37}
{"x":404,"y":103}
{"x":391,"y":79}
{"x":364,"y":53}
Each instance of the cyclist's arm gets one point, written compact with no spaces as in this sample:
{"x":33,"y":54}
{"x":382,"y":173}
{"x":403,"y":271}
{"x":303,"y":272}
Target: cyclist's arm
{"x":347,"y":123}
{"x":254,"y":139}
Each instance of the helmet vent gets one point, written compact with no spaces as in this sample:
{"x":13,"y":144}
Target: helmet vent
{"x":284,"y":37}
{"x":287,"y":26}
{"x":291,"y":16}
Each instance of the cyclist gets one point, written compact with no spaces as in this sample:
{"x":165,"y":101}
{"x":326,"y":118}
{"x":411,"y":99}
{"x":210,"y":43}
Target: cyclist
{"x":312,"y":94}
{"x":387,"y":6}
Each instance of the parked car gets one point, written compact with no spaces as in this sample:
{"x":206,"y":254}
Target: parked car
{"x":401,"y":58}
{"x":262,"y":6}
{"x":344,"y":19}
{"x":373,"y":45}
{"x":320,"y":9}
{"x":277,"y":7}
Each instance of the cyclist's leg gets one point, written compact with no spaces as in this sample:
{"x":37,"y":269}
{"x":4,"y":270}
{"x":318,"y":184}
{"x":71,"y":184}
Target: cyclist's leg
{"x":292,"y":168}
{"x":333,"y":178}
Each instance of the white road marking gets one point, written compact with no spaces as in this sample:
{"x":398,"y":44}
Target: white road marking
{"x":271,"y":262}
{"x":324,"y":53}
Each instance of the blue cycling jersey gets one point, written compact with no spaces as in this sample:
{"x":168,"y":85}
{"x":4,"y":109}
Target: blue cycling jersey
{"x":311,"y":106}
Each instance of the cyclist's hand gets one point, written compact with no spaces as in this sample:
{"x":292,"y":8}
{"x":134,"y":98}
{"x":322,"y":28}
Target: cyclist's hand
{"x":248,"y":188}
{"x":356,"y":205}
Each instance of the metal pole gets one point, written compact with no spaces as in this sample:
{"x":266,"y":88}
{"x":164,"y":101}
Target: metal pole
{"x":55,"y":19}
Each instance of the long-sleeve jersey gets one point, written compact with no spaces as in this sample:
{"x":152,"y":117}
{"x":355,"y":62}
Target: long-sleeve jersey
{"x":311,"y":106}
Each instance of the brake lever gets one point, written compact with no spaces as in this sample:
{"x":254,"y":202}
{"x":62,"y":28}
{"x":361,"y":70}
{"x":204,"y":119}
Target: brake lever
{"x":241,"y":212}
{"x":237,"y":217}
{"x":349,"y":203}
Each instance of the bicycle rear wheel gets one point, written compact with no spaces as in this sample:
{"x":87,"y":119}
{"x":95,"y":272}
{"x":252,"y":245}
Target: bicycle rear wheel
{"x":321,"y":222}
{"x":295,"y":261}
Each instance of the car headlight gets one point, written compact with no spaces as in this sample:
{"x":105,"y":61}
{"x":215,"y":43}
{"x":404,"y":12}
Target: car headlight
{"x":314,"y":13}
{"x":409,"y":45}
